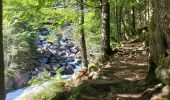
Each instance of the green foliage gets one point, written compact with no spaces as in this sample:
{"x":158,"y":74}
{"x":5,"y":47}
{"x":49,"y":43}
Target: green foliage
{"x":50,"y":39}
{"x":54,"y":91}
{"x":58,"y":72}
{"x":75,"y":93}
{"x":19,"y":47}
{"x":41,"y":78}
{"x":10,"y":72}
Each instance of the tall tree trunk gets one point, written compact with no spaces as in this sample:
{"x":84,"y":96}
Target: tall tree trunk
{"x":2,"y":85}
{"x":159,"y":61}
{"x":82,"y":37}
{"x":133,"y":21}
{"x":105,"y":29}
{"x":120,"y":22}
{"x":117,"y":21}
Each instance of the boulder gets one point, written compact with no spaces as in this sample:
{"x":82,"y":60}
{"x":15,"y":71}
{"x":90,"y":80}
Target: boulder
{"x":44,"y":60}
{"x":78,"y":62}
{"x":70,"y":59}
{"x":53,"y":60}
{"x":54,"y":46}
{"x":49,"y":68}
{"x":74,"y":50}
{"x":71,"y":66}
{"x":34,"y":73}
{"x":57,"y":65}
{"x":62,"y":64}
{"x":38,"y":42}
{"x":70,"y":45}
{"x":52,"y":51}
{"x":9,"y":84}
{"x":44,"y":32}
{"x":52,"y":73}
{"x":62,"y":69}
{"x":63,"y":39}
{"x":62,"y":54}
{"x":47,"y":44}
{"x":69,"y":71}
{"x":21,"y":80}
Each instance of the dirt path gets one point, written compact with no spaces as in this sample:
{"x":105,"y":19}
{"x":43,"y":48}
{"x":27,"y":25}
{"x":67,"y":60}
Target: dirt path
{"x":130,"y":63}
{"x":122,"y":78}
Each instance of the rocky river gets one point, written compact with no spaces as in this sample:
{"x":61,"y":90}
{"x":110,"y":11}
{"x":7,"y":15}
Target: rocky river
{"x":54,"y":53}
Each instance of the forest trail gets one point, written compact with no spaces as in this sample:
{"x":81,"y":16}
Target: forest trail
{"x":129,"y":63}
{"x":122,"y":78}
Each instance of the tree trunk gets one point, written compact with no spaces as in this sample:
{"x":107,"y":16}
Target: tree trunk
{"x":117,"y":22}
{"x":2,"y":85}
{"x":133,"y":21}
{"x":120,"y":22}
{"x":82,"y":36}
{"x":105,"y":29}
{"x":159,"y":61}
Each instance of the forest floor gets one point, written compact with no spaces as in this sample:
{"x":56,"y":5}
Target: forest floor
{"x":121,"y":78}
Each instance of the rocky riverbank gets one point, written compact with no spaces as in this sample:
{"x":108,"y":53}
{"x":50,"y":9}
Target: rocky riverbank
{"x":54,"y":53}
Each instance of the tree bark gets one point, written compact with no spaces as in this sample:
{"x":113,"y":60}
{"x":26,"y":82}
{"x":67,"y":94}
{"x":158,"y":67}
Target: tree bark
{"x":133,"y":21}
{"x":2,"y":84}
{"x":117,"y":21}
{"x":105,"y":29}
{"x":82,"y":36}
{"x":159,"y":61}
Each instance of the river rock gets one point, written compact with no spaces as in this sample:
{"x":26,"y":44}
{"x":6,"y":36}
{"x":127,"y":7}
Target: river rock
{"x":69,"y":66}
{"x":69,"y":71}
{"x":44,"y":60}
{"x":47,"y":44}
{"x":52,"y":51}
{"x":74,"y":50}
{"x":78,"y":62}
{"x":53,"y":60}
{"x":52,"y":73}
{"x":70,"y":59}
{"x":34,"y":72}
{"x":62,"y":54}
{"x":70,"y":45}
{"x":38,"y":42}
{"x":49,"y":68}
{"x":64,"y":39}
{"x":57,"y":65}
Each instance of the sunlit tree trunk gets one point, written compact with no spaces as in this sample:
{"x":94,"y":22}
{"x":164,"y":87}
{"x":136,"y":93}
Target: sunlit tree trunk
{"x":2,"y":85}
{"x":82,"y":36}
{"x":105,"y":29}
{"x":159,"y":61}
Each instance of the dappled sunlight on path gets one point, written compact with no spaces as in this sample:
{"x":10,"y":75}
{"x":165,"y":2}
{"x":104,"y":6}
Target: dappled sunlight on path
{"x":121,"y":78}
